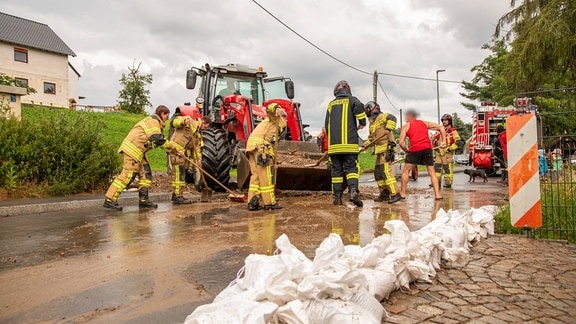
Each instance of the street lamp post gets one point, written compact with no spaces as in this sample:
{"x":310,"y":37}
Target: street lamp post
{"x":438,"y":93}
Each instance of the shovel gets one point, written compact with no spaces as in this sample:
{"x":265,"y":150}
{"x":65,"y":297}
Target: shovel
{"x":206,"y":194}
{"x":322,"y":158}
{"x":237,"y":197}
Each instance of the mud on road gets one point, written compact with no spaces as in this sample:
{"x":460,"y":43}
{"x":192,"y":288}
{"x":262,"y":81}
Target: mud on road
{"x":157,"y":266}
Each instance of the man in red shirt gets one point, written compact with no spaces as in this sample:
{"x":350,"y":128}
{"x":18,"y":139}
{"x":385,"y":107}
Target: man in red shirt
{"x":420,"y":151}
{"x":501,"y":152}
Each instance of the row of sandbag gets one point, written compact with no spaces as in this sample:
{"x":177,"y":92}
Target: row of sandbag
{"x":344,"y":284}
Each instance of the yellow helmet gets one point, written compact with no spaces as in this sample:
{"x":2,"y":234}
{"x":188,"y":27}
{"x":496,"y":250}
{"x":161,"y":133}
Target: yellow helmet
{"x":271,"y":108}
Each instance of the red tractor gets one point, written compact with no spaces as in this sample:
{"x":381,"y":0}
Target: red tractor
{"x":235,"y":96}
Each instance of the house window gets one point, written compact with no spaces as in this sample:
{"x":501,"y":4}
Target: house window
{"x":49,"y":87}
{"x":21,"y":82}
{"x":21,"y":55}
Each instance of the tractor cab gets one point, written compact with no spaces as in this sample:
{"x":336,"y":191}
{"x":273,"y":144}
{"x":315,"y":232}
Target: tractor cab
{"x":235,"y":97}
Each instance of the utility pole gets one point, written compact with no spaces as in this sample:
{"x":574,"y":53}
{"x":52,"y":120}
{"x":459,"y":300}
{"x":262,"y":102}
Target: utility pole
{"x":375,"y":86}
{"x":438,"y":94}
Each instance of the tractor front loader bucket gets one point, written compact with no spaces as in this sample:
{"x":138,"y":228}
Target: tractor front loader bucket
{"x":303,"y":178}
{"x":291,"y":177}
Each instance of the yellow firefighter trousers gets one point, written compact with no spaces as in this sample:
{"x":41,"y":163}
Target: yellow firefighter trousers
{"x":444,"y":164}
{"x":383,"y":174}
{"x":261,"y":181}
{"x":178,"y":172}
{"x":130,"y":169}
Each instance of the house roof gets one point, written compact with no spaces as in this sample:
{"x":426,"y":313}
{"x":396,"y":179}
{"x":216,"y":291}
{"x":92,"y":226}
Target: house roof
{"x":28,"y":33}
{"x":74,"y":69}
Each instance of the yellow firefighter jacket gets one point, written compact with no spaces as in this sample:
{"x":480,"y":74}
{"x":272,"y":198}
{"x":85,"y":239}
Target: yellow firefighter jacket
{"x":187,"y":139}
{"x":265,"y":135}
{"x":144,"y":136}
{"x":381,"y":134}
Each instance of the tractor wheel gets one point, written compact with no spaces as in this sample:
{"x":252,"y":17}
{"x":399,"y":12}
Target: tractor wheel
{"x":216,"y":157}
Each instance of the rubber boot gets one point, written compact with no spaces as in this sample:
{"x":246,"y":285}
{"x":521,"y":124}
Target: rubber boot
{"x":395,"y":198}
{"x":338,"y":200}
{"x":355,"y":198}
{"x":254,"y":203}
{"x":271,"y":207}
{"x":384,"y":196}
{"x":180,"y":200}
{"x":109,"y":203}
{"x":144,"y":200}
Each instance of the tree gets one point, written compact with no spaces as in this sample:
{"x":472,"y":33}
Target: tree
{"x":134,"y":96}
{"x":490,"y":82}
{"x":543,"y":53}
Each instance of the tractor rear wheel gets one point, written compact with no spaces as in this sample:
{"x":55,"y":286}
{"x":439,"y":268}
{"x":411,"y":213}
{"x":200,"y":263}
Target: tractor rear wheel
{"x":216,"y":157}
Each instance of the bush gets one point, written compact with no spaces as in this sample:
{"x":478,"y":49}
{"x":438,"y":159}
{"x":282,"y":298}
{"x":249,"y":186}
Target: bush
{"x":503,"y":222}
{"x":63,"y":152}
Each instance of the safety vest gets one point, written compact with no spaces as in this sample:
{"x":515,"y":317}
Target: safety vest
{"x":265,"y":135}
{"x":187,"y":140}
{"x":144,"y":136}
{"x":341,"y":125}
{"x":379,"y":134}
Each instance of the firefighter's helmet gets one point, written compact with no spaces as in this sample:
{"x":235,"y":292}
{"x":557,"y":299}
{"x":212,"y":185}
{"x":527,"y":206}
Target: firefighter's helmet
{"x":447,"y":117}
{"x":371,"y":107}
{"x":271,"y":108}
{"x":341,"y":85}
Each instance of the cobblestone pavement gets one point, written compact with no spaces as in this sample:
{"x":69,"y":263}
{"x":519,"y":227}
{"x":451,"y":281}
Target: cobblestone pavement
{"x":507,"y":279}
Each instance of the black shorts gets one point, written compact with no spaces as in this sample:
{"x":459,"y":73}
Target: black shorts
{"x":424,"y":157}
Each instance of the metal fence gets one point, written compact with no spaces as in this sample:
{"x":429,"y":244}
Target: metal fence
{"x":558,"y":188}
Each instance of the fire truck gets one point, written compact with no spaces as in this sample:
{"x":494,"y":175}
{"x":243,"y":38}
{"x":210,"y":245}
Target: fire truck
{"x":485,"y":119}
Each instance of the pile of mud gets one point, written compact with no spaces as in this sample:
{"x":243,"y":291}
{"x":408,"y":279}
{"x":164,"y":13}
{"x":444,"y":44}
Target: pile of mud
{"x":300,"y":159}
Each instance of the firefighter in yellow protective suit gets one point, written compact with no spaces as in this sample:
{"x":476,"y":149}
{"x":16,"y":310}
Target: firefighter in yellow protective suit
{"x":144,"y":136}
{"x":186,"y":134}
{"x":381,"y":127}
{"x":444,"y":157}
{"x":261,"y":154}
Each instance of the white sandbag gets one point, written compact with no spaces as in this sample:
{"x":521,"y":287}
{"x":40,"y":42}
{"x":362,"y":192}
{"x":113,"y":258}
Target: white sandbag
{"x":332,"y":284}
{"x":293,"y":312}
{"x":303,"y":265}
{"x":455,"y":257}
{"x":419,"y":270}
{"x":399,"y":235}
{"x":229,"y":292}
{"x":370,"y":256}
{"x":381,"y":243}
{"x":381,"y":282}
{"x":233,"y":311}
{"x":485,"y":218}
{"x":330,"y":249}
{"x":363,"y":309}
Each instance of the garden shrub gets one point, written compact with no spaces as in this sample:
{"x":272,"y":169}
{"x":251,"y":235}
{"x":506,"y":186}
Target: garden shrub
{"x":63,"y":151}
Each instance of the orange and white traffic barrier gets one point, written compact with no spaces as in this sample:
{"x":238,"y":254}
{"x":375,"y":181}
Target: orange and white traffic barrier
{"x":523,"y":178}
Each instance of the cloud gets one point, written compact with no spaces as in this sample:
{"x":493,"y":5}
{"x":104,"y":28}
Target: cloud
{"x":414,"y":37}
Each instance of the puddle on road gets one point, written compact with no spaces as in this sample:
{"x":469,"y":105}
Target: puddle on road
{"x":306,"y":221}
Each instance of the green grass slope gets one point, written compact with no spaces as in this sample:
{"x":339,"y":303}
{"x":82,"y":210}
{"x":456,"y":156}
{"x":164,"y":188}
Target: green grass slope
{"x":117,"y":127}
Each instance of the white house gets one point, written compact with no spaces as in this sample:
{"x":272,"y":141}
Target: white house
{"x":32,"y":53}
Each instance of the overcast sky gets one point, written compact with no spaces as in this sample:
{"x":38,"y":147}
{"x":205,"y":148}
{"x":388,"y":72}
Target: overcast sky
{"x":410,"y":37}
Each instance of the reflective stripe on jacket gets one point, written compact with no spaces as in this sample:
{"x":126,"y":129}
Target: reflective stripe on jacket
{"x":187,"y":139}
{"x":144,"y":136}
{"x":380,"y":134}
{"x":340,"y":124}
{"x":263,"y":136}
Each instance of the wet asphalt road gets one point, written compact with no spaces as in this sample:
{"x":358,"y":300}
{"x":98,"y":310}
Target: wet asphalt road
{"x":157,"y":266}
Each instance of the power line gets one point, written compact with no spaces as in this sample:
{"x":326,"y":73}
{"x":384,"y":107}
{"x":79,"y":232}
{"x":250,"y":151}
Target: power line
{"x":339,"y":60}
{"x":386,"y":95}
{"x":309,"y":42}
{"x":417,"y":78}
